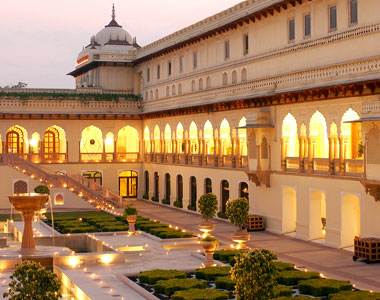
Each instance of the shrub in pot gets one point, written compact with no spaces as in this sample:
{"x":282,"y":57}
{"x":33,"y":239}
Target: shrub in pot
{"x":209,"y":243}
{"x":207,"y":206}
{"x":255,"y":275}
{"x":237,"y":212}
{"x":42,"y":189}
{"x":131,"y":213}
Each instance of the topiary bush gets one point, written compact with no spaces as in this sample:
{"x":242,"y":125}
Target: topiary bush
{"x":357,"y":295}
{"x":42,"y":189}
{"x":32,"y":281}
{"x":323,"y":287}
{"x":178,"y":204}
{"x":237,"y":211}
{"x":207,"y":206}
{"x":153,"y":276}
{"x":294,"y":276}
{"x":255,"y":274}
{"x":201,"y":294}
{"x":169,"y":287}
{"x":211,"y":273}
{"x":222,"y":215}
{"x":225,"y":283}
{"x":130,"y":210}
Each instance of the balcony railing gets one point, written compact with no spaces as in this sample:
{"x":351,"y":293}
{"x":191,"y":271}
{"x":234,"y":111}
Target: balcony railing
{"x":43,"y":157}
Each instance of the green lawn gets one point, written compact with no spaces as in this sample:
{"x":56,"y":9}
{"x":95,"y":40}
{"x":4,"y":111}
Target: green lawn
{"x":5,"y":217}
{"x":78,"y":214}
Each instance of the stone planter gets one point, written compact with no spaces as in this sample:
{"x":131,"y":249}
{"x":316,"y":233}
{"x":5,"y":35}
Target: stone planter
{"x":131,"y":219}
{"x":206,"y":227}
{"x":241,"y":237}
{"x":209,"y":249}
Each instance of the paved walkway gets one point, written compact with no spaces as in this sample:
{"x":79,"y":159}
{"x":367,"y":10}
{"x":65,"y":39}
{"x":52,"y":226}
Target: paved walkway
{"x":332,"y":263}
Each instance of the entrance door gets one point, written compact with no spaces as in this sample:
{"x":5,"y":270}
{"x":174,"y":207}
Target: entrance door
{"x":128,"y":184}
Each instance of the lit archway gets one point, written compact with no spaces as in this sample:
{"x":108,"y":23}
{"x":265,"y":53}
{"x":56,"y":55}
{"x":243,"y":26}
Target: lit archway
{"x":243,"y":190}
{"x":179,"y":138}
{"x":91,"y":144}
{"x":208,"y":136}
{"x":317,"y":215}
{"x":127,"y":145}
{"x":168,"y":139}
{"x":242,"y":132}
{"x":318,"y":135}
{"x":289,"y":210}
{"x":157,"y":139}
{"x":290,"y":136}
{"x":193,"y":135}
{"x":225,"y":138}
{"x":16,"y":140}
{"x":350,"y":220}
{"x":54,"y":144}
{"x":109,"y":146}
{"x":147,"y":139}
{"x":128,"y":181}
{"x":351,"y":134}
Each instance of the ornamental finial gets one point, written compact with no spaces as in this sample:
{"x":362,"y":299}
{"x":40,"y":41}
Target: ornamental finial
{"x":113,"y":11}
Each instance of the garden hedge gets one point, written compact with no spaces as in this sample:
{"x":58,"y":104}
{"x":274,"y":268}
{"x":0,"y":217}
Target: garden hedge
{"x":283,"y":291}
{"x":201,"y":294}
{"x":224,"y":255}
{"x":293,"y":277}
{"x":357,"y":295}
{"x":225,"y":283}
{"x":151,"y":277}
{"x":323,"y":287}
{"x":211,"y":273}
{"x":169,"y":287}
{"x":293,"y":298}
{"x":283,"y":266}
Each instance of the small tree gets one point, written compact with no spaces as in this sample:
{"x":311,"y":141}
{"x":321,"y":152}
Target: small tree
{"x":31,"y":281}
{"x":237,"y":211}
{"x":130,"y":210}
{"x":42,"y":189}
{"x":208,"y":205}
{"x":255,"y":274}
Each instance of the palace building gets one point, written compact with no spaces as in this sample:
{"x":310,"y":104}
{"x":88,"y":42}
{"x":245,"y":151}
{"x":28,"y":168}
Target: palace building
{"x":274,"y":100}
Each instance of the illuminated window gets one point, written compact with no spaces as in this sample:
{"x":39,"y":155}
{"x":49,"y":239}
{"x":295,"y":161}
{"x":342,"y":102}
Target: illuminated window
{"x":128,"y":184}
{"x":15,"y":140}
{"x":290,"y":136}
{"x":58,"y":199}
{"x":208,"y":136}
{"x":51,"y":141}
{"x":95,"y":176}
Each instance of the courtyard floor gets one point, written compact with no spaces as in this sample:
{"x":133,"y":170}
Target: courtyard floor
{"x":331,"y":262}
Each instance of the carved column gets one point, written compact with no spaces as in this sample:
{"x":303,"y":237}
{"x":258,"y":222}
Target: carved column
{"x":301,"y":154}
{"x":216,"y":151}
{"x":331,"y":155}
{"x":238,"y":153}
{"x":311,"y":155}
{"x":283,"y":154}
{"x":204,"y":152}
{"x":221,"y":154}
{"x":233,"y":153}
{"x":342,"y":157}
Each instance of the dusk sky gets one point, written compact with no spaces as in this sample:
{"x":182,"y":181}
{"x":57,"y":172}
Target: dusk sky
{"x":40,"y":39}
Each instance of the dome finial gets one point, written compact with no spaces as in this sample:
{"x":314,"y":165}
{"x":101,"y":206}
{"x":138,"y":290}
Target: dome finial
{"x":113,"y":11}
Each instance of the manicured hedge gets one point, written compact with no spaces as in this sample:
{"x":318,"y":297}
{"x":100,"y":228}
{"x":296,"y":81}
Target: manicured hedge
{"x":283,"y":291}
{"x":79,"y":229}
{"x":201,"y":294}
{"x":224,"y":255}
{"x":225,"y":283}
{"x":151,"y":277}
{"x":168,"y":287}
{"x":283,"y":266}
{"x":293,"y":298}
{"x":211,"y":273}
{"x":293,"y":277}
{"x":115,"y":228}
{"x":323,"y":287}
{"x":358,"y":295}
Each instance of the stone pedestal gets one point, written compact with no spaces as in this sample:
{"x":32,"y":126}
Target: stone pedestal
{"x":131,"y":223}
{"x":241,"y":237}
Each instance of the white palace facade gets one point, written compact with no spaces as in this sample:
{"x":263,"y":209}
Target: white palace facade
{"x":274,"y":100}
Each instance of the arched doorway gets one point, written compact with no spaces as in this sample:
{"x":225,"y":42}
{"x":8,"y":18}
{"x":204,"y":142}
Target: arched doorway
{"x":15,"y":140}
{"x":289,"y":210}
{"x":146,"y":175}
{"x":127,"y":144}
{"x":91,"y":144}
{"x":193,"y":192}
{"x":128,"y":184}
{"x":350,"y":222}
{"x":167,"y":186}
{"x":225,"y":191}
{"x":179,"y":188}
{"x":20,"y":187}
{"x":317,"y":209}
{"x":156,"y":185}
{"x":244,"y":190}
{"x":95,"y":176}
{"x":208,"y":185}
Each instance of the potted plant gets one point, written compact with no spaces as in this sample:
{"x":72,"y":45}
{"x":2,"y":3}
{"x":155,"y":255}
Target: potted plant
{"x":237,"y":212}
{"x":207,"y":205}
{"x":42,"y":189}
{"x":131,"y":213}
{"x":209,"y":244}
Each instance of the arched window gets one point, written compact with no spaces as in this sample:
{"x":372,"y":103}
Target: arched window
{"x":351,"y":133}
{"x":179,"y":188}
{"x":20,"y":187}
{"x":91,"y":144}
{"x":95,"y":176}
{"x":167,"y":91}
{"x":128,"y":181}
{"x":146,"y":95}
{"x":15,"y":140}
{"x":109,"y":146}
{"x":208,"y":185}
{"x":252,"y":143}
{"x":242,"y":132}
{"x":127,"y":145}
{"x":194,"y":147}
{"x":290,"y":136}
{"x":147,"y":139}
{"x":157,"y":139}
{"x":156,"y":94}
{"x":180,"y":89}
{"x":208,"y":135}
{"x":58,"y":199}
{"x":51,"y":141}
{"x":151,"y":95}
{"x":225,"y":79}
{"x":193,"y":193}
{"x":200,"y":84}
{"x":225,"y":191}
{"x":179,"y":137}
{"x":208,"y":82}
{"x":167,"y":186}
{"x":244,"y":74}
{"x":193,"y":86}
{"x":225,"y":137}
{"x":244,"y":190}
{"x":318,"y":134}
{"x":173,"y":90}
{"x":264,"y":148}
{"x":234,"y":77}
{"x":168,"y":139}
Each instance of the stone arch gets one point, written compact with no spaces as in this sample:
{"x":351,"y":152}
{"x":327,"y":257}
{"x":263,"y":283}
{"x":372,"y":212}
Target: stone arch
{"x":193,"y":85}
{"x":225,"y":78}
{"x":208,"y":82}
{"x":20,"y":187}
{"x":200,"y":84}
{"x":91,"y":144}
{"x":234,"y":77}
{"x":147,"y":139}
{"x":244,"y":74}
{"x":179,"y":88}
